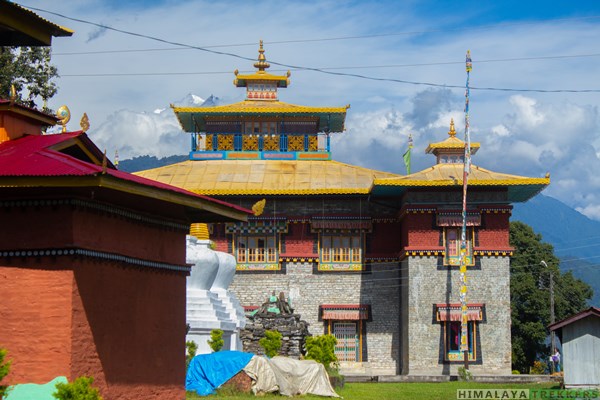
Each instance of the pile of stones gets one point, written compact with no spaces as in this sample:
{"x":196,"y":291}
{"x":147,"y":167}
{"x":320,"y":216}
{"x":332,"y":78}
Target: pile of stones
{"x":293,"y":330}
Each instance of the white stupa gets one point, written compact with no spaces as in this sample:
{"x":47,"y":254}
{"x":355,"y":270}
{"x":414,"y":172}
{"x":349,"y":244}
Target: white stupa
{"x":210,"y":305}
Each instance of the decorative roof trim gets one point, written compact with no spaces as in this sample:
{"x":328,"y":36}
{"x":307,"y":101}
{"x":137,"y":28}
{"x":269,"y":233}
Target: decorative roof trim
{"x":261,"y":108}
{"x":224,"y":192}
{"x":458,"y":182}
{"x":57,"y":252}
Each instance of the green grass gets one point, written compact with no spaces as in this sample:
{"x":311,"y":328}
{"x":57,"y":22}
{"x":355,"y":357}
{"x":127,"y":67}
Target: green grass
{"x":390,"y":391}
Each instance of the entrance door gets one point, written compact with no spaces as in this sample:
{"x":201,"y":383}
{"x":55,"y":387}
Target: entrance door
{"x":348,"y":340}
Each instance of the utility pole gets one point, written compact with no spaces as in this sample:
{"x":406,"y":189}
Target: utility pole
{"x":552,"y":340}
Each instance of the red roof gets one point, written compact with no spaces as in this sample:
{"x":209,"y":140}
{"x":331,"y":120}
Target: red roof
{"x":592,"y":311}
{"x":36,"y":156}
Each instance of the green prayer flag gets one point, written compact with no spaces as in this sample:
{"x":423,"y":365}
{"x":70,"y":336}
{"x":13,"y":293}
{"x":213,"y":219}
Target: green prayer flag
{"x":406,"y":157}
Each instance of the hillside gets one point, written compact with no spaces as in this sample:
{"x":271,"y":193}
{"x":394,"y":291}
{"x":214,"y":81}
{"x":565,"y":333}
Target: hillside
{"x":575,"y":237}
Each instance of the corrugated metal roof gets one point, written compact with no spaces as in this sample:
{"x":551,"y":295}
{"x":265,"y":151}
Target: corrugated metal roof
{"x":33,"y":156}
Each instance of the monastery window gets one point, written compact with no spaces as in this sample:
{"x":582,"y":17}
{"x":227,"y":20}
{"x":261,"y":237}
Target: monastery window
{"x":450,"y":316}
{"x":256,"y":249}
{"x":453,"y":337}
{"x":341,"y":252}
{"x":452,"y":239}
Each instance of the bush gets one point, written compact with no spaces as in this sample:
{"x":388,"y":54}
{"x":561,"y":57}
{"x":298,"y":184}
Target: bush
{"x":271,"y":343}
{"x":80,"y":389}
{"x":216,"y":341}
{"x":4,"y":369}
{"x":322,"y":350}
{"x":191,"y":348}
{"x":539,"y":368}
{"x":516,"y":372}
{"x":464,"y":374}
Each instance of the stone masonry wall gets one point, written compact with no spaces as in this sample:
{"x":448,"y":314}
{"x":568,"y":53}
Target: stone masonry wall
{"x":428,"y":285}
{"x":309,"y":290}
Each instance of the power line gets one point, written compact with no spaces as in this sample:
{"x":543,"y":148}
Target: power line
{"x":319,"y":70}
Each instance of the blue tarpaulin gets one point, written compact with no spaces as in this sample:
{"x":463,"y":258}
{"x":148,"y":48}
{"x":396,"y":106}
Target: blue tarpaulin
{"x":207,"y":372}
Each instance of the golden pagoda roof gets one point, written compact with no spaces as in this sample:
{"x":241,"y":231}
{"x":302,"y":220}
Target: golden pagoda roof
{"x":193,"y":119}
{"x":452,"y":143}
{"x":262,"y":177}
{"x":520,"y":188}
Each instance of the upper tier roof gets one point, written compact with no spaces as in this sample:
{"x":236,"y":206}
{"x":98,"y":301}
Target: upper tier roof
{"x":267,"y":177}
{"x":193,"y":119}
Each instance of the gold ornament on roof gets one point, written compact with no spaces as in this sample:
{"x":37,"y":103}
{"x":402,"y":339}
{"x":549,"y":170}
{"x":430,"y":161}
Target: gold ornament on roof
{"x":13,"y":93}
{"x":262,"y":63}
{"x":84,"y":123}
{"x":200,"y":231}
{"x":64,"y":115}
{"x":452,"y":131}
{"x":259,"y":207}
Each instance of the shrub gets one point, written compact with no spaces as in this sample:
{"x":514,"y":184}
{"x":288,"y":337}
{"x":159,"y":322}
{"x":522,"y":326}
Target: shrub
{"x":80,"y":389}
{"x":538,"y":368}
{"x":191,"y":348}
{"x":4,"y":369}
{"x":464,"y":374}
{"x":216,"y":341}
{"x":516,"y":372}
{"x":322,"y":350}
{"x":271,"y":343}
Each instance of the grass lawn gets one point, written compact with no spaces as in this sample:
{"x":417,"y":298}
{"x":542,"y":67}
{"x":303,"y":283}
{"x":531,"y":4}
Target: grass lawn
{"x":391,"y":391}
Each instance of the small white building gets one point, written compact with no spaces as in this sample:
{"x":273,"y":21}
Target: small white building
{"x":580,"y":338}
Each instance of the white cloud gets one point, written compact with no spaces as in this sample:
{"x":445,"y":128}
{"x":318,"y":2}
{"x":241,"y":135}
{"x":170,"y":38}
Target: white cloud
{"x":527,"y":134}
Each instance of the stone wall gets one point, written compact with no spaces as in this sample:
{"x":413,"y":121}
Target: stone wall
{"x":429,"y":285}
{"x":309,"y":289}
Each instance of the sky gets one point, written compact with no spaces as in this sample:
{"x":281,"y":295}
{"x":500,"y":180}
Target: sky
{"x":544,"y":56}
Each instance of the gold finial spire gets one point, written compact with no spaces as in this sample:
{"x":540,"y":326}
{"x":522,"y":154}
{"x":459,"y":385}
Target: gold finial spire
{"x":452,"y":131}
{"x":262,"y":63}
{"x":13,"y":93}
{"x":200,"y":231}
{"x":116,"y":163}
{"x":84,"y":123}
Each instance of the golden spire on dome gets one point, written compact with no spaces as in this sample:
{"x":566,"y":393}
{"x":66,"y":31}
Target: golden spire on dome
{"x":262,"y":63}
{"x":452,"y":131}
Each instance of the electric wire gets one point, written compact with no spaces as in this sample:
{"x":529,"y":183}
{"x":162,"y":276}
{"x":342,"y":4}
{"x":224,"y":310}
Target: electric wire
{"x":313,"y":69}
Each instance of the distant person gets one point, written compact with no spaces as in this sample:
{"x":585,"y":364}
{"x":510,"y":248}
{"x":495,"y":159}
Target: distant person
{"x":556,"y":360}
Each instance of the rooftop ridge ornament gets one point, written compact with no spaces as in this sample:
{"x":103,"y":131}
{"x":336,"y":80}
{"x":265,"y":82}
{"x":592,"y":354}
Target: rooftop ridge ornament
{"x":262,"y":63}
{"x":84,"y":123}
{"x":64,"y":115}
{"x":452,"y":131}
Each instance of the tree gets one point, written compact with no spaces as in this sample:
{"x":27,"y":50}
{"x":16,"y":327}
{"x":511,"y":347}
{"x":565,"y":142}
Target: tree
{"x":530,"y":299}
{"x":29,"y":70}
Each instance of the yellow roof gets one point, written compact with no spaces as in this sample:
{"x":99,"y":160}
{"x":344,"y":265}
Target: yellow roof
{"x":267,"y":177}
{"x":452,"y":143}
{"x":520,"y":188}
{"x":452,"y":174}
{"x":260,"y":106}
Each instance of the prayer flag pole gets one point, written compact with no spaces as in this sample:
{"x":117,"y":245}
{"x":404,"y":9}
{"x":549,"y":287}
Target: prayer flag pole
{"x":464,"y":341}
